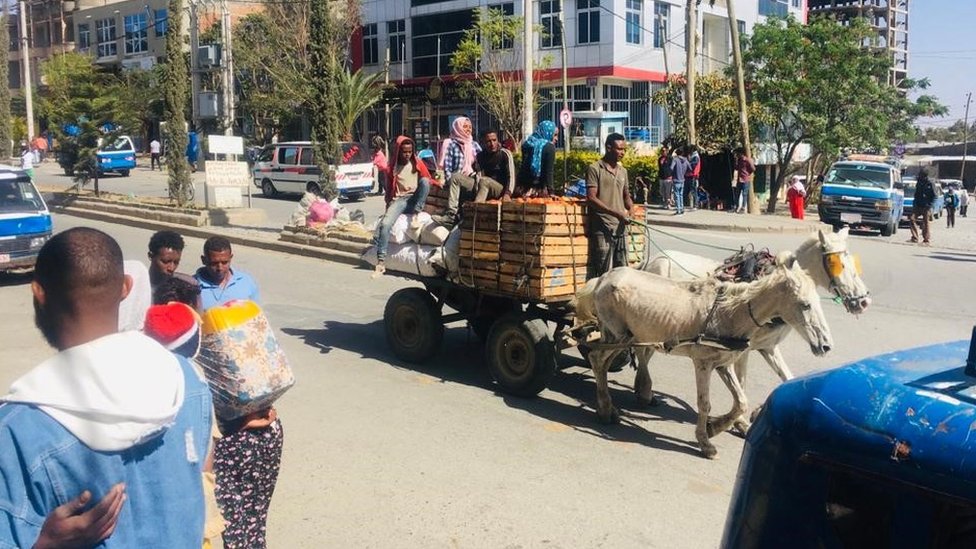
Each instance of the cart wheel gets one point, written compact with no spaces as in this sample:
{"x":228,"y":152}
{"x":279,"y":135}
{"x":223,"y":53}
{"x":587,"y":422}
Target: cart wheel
{"x":413,"y":325}
{"x":521,"y":355}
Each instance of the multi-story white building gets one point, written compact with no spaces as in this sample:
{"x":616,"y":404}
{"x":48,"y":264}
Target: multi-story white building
{"x":618,"y":53}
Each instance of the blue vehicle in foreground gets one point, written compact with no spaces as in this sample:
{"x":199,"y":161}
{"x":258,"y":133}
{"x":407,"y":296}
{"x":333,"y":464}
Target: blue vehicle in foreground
{"x":862,"y":194}
{"x":878,"y":453}
{"x":25,"y":222}
{"x":118,"y":156}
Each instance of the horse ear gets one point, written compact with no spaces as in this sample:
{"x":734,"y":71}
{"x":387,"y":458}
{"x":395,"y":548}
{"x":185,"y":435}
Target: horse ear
{"x":787,"y":258}
{"x":823,"y":237}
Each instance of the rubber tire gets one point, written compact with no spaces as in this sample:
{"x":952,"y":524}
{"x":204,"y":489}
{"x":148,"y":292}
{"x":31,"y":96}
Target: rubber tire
{"x":314,"y":189}
{"x":124,"y":173}
{"x":268,"y":189}
{"x":521,"y":355}
{"x":413,"y":326}
{"x":887,"y":230}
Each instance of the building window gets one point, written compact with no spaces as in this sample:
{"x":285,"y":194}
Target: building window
{"x":634,"y":9}
{"x":435,"y":39}
{"x":13,"y":75}
{"x":371,"y":52}
{"x":580,"y":98}
{"x":503,"y":42}
{"x":13,"y":31}
{"x":136,"y":34}
{"x":105,"y":35}
{"x":587,"y":21}
{"x":161,"y":22}
{"x":84,"y":37}
{"x":773,"y":8}
{"x":552,"y":29}
{"x":397,"y":33}
{"x":796,"y":3}
{"x":662,"y":24}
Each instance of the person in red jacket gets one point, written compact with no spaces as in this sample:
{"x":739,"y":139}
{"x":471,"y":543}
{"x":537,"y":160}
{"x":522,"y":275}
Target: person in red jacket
{"x":407,"y":185}
{"x":695,"y":160}
{"x":795,"y":196}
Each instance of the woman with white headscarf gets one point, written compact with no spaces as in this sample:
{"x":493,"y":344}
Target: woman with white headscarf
{"x":795,"y":196}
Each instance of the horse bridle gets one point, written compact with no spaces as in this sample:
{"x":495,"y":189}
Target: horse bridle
{"x":850,"y":301}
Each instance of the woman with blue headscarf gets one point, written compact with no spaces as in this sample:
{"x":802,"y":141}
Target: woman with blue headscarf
{"x":538,"y":157}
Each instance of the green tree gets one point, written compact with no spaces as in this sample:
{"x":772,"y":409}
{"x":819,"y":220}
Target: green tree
{"x":816,"y":83}
{"x":6,"y":133}
{"x":358,"y":91}
{"x":326,"y":56}
{"x":175,"y":85}
{"x":491,"y":49}
{"x":79,"y":94}
{"x":716,"y":111}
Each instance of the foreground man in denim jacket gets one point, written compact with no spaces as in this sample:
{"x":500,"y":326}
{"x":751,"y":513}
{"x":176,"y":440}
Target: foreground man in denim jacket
{"x":112,"y":415}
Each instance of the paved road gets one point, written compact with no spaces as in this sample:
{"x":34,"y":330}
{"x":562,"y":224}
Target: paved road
{"x":383,"y":454}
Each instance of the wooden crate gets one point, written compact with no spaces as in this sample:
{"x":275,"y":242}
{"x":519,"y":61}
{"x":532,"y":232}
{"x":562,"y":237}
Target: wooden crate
{"x":481,"y":217}
{"x":479,"y":245}
{"x":478,"y":273}
{"x":540,"y":282}
{"x":436,"y":201}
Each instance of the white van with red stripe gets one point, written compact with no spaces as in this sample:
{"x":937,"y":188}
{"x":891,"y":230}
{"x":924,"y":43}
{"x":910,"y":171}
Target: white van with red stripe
{"x":290,"y":168}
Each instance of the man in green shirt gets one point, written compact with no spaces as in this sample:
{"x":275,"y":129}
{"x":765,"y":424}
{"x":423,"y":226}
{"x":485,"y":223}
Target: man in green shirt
{"x":610,"y":204}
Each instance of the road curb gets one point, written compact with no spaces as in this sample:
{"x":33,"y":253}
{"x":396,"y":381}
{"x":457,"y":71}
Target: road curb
{"x":655,"y":221}
{"x":319,"y":252}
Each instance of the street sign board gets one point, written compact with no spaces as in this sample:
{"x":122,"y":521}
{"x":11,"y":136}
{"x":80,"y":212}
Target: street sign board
{"x":565,"y":118}
{"x":225,"y":144}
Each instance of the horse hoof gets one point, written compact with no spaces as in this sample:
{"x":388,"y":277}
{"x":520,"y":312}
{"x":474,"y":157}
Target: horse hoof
{"x":645,"y":403}
{"x":709,"y":452}
{"x":611,"y":418}
{"x":740,"y":428}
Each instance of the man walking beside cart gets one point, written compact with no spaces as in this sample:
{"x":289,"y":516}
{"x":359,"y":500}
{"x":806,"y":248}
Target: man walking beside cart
{"x":610,"y":205}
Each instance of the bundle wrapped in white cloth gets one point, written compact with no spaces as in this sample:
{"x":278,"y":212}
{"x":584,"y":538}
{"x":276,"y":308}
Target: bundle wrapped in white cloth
{"x":410,"y":258}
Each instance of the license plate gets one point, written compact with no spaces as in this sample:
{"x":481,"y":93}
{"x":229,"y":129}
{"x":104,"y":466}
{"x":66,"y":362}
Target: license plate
{"x":4,"y":258}
{"x":850,"y":218}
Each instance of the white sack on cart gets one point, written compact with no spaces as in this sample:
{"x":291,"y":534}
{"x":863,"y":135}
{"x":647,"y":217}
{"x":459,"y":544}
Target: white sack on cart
{"x":408,"y":258}
{"x":400,"y":233}
{"x":451,"y":248}
{"x":434,"y":234}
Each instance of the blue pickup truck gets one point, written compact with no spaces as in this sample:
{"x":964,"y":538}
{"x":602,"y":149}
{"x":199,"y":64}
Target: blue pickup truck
{"x":862,"y":194}
{"x":25,"y":222}
{"x":878,"y":453}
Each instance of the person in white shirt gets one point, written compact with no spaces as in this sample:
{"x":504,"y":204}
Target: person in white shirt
{"x":27,"y":161}
{"x":155,"y":148}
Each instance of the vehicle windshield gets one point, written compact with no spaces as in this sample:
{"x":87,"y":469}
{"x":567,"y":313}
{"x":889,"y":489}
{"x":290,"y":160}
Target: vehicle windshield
{"x":121,"y":144}
{"x":19,"y":197}
{"x":860,"y":175}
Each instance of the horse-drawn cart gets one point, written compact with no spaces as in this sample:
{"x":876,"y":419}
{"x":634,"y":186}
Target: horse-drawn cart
{"x":519,"y":348}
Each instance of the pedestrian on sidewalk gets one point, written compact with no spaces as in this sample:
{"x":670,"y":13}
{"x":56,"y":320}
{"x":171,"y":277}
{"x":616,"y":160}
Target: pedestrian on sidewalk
{"x":695,"y":160}
{"x":744,"y":168}
{"x":679,"y":169}
{"x":27,"y":160}
{"x":380,"y":163}
{"x":963,"y":201}
{"x":664,"y":176}
{"x":924,"y":196}
{"x":155,"y":149}
{"x":951,"y":203}
{"x":796,"y":197}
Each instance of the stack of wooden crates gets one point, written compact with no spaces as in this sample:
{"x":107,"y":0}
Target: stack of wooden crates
{"x":536,"y":251}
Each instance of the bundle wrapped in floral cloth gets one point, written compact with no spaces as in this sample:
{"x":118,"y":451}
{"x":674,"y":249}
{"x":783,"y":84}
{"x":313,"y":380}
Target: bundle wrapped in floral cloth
{"x":245,"y":367}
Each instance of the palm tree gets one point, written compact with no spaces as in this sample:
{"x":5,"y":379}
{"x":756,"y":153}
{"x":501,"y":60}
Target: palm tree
{"x":358,"y":91}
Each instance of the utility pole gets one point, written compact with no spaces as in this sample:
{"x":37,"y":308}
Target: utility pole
{"x":26,"y":62}
{"x":743,"y":107}
{"x":528,"y":52}
{"x":227,"y":53}
{"x":562,"y":44}
{"x":965,"y":140}
{"x":664,"y":46}
{"x":194,"y":67}
{"x":691,"y":34}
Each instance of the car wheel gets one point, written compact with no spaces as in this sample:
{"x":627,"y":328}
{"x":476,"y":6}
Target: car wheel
{"x":268,"y":189}
{"x":314,"y":189}
{"x":124,"y":173}
{"x":887,"y":230}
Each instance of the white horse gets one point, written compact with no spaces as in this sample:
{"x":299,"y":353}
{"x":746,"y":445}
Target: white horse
{"x":824,"y":257}
{"x":709,"y":321}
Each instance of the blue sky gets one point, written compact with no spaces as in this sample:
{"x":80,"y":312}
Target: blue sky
{"x":942,"y":47}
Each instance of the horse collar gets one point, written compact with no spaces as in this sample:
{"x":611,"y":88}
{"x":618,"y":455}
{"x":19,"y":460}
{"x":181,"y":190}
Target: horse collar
{"x":753,"y":316}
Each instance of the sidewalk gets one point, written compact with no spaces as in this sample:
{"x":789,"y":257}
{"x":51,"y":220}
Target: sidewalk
{"x":715,"y":220}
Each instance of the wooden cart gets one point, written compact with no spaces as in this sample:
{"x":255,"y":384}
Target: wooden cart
{"x":520,"y":265}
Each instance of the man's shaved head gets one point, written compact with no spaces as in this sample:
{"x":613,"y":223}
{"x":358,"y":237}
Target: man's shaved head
{"x":78,"y":274}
